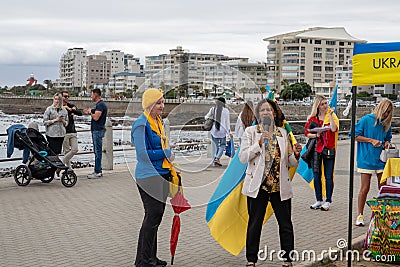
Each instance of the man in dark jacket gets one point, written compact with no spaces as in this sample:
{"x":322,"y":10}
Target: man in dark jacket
{"x":70,"y":144}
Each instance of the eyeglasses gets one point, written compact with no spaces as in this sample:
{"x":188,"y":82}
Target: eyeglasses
{"x":66,"y":96}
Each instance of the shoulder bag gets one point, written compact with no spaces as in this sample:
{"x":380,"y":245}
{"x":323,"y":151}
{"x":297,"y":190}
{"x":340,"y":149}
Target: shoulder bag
{"x":208,"y":124}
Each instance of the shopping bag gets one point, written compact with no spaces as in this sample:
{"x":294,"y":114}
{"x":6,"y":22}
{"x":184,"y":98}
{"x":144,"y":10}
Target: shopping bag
{"x":230,"y":148}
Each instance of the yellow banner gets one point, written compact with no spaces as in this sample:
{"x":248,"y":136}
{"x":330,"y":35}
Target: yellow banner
{"x":376,"y":68}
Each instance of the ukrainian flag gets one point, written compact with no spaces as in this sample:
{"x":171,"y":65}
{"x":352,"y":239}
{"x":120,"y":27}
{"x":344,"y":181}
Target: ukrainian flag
{"x":226,"y":213}
{"x":376,"y":63}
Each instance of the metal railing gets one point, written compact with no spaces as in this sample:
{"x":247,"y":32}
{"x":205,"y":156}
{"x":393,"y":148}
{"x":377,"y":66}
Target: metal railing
{"x":174,"y":127}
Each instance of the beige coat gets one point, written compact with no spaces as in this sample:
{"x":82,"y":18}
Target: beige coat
{"x":254,"y":155}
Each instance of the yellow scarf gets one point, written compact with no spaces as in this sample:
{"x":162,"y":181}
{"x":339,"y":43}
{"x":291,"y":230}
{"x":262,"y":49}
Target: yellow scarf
{"x":158,"y":128}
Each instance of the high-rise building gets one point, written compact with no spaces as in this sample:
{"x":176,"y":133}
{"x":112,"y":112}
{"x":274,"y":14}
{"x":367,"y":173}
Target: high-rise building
{"x":309,"y":56}
{"x":72,"y":70}
{"x":116,"y":58}
{"x":198,"y":71}
{"x":98,"y":71}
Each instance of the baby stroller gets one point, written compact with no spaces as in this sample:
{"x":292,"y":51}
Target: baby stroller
{"x":43,"y":163}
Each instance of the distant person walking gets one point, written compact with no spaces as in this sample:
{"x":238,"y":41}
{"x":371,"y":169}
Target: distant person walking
{"x":220,"y":129}
{"x":325,"y":151}
{"x":373,"y":133}
{"x":55,"y":119}
{"x":70,"y":144}
{"x":97,"y":127}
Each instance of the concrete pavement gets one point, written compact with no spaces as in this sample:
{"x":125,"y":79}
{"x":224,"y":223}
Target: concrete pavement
{"x":96,"y":223}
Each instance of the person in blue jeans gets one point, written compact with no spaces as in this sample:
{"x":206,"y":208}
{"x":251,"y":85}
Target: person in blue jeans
{"x":97,"y":127}
{"x":325,"y":148}
{"x":220,"y":129}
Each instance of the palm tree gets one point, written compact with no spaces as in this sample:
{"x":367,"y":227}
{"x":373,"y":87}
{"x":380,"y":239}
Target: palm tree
{"x":196,"y":89}
{"x":49,"y":84}
{"x":206,"y":92}
{"x":263,"y":90}
{"x":214,"y":87}
{"x":243,"y":90}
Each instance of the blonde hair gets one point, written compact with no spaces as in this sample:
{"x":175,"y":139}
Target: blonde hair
{"x":379,"y":112}
{"x":59,"y":100}
{"x":317,"y":100}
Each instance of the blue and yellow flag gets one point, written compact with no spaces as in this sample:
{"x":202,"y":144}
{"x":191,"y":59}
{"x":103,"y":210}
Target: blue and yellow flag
{"x":376,"y":63}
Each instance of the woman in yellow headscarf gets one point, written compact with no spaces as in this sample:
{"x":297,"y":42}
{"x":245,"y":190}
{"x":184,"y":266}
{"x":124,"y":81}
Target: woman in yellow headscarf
{"x":153,"y":173}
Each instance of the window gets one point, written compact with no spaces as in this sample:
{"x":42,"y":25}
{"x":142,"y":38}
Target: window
{"x":330,"y":42}
{"x":341,"y":43}
{"x":330,"y":50}
{"x":329,"y":56}
{"x":304,"y":40}
{"x":317,"y":49}
{"x":290,"y":68}
{"x":317,"y":68}
{"x":317,"y":41}
{"x":317,"y":62}
{"x":328,"y":68}
{"x":318,"y":55}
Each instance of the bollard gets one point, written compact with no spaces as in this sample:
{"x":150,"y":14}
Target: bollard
{"x":209,"y":146}
{"x":108,"y":153}
{"x":167,"y":129}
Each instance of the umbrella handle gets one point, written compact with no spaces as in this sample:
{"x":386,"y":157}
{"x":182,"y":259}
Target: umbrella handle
{"x":172,"y":260}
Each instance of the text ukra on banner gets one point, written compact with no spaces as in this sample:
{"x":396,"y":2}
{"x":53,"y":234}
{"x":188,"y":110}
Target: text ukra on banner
{"x":376,"y":63}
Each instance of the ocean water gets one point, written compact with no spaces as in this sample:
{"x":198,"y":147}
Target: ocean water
{"x":121,"y":140}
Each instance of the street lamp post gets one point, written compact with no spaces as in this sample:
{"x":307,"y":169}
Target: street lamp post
{"x":291,"y":98}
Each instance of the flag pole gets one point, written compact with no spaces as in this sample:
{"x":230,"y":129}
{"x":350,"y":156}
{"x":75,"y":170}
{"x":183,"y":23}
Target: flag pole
{"x":351,"y":176}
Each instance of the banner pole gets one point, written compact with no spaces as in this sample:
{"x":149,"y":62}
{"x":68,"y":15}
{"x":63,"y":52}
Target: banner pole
{"x":351,"y":176}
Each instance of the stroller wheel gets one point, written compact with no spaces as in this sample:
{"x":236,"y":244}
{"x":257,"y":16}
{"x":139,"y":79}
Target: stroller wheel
{"x":68,"y":178}
{"x":22,"y":175}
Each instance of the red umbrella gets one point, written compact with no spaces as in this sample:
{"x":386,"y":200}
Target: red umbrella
{"x":179,"y":204}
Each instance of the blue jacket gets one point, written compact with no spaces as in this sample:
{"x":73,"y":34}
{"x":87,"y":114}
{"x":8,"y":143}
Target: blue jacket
{"x":10,"y":142}
{"x":149,"y":153}
{"x":367,"y":154}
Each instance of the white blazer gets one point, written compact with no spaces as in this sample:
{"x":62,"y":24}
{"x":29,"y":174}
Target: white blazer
{"x":254,"y":155}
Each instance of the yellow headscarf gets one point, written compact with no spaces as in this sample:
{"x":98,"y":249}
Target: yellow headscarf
{"x":158,"y":127}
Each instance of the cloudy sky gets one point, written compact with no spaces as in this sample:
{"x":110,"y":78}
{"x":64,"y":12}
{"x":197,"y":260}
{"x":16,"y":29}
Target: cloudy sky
{"x":34,"y":34}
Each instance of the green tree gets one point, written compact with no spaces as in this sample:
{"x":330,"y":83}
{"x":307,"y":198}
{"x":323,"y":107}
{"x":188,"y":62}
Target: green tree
{"x":243,"y":90}
{"x":214,"y":87}
{"x":196,"y":90}
{"x":296,"y":91}
{"x":206,"y":92}
{"x":49,"y":84}
{"x":263,"y":90}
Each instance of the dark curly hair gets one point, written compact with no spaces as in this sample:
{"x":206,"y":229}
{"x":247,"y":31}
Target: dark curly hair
{"x":279,"y":117}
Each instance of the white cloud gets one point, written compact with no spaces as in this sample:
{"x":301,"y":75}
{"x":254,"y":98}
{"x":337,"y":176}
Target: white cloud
{"x":39,"y":32}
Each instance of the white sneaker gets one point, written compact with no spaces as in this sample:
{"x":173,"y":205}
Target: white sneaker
{"x":360,"y":220}
{"x":326,"y":206}
{"x":56,"y":177}
{"x":317,"y":205}
{"x":94,"y":175}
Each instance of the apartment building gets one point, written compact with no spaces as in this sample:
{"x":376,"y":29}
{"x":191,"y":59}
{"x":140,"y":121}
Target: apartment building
{"x":309,"y":56}
{"x":123,"y":81}
{"x":72,"y":70}
{"x":116,"y":58}
{"x":183,"y":68}
{"x":98,"y":71}
{"x":132,"y":64}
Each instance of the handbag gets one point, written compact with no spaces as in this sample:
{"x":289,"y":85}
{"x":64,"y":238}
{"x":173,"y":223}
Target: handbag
{"x":328,"y":153}
{"x":391,"y":152}
{"x":230,"y":148}
{"x":208,"y":124}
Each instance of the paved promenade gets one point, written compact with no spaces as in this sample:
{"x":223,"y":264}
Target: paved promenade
{"x":96,"y":223}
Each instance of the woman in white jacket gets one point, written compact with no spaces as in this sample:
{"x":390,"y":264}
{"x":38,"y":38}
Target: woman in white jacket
{"x":269,"y":154}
